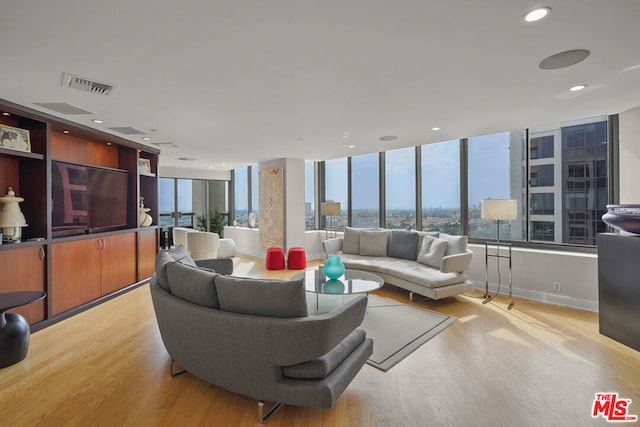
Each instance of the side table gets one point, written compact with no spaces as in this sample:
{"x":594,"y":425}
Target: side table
{"x":14,"y":329}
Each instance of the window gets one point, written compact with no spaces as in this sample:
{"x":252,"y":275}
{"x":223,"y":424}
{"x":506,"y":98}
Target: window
{"x":496,"y":165}
{"x":336,"y":189}
{"x":542,"y":203}
{"x":365,"y":190}
{"x":440,"y":170}
{"x":542,"y":176}
{"x":309,"y":195}
{"x":400,"y":182}
{"x":542,"y":231}
{"x":577,"y":178}
{"x":254,"y":193}
{"x":541,"y":147}
{"x":241,"y":195}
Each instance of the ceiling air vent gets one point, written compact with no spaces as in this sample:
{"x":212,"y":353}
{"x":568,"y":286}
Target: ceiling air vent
{"x":88,"y":85}
{"x":187,"y":159}
{"x":165,"y":144}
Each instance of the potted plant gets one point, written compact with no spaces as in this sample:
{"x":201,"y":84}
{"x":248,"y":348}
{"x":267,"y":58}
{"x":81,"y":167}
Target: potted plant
{"x":216,"y":223}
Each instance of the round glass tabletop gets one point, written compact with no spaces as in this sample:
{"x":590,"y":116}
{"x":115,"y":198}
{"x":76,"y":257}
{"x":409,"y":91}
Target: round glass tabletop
{"x":351,"y":282}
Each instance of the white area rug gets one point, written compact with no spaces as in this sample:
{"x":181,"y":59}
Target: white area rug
{"x":397,"y":329}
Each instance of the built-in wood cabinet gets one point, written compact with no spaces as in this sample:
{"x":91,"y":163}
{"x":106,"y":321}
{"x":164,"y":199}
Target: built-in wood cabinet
{"x":23,"y":269}
{"x":81,"y":269}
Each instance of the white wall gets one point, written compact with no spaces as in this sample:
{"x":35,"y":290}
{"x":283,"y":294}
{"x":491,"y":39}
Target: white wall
{"x":534,"y":272}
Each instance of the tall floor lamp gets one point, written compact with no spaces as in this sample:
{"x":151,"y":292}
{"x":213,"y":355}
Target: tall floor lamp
{"x":330,"y":209}
{"x":498,"y":209}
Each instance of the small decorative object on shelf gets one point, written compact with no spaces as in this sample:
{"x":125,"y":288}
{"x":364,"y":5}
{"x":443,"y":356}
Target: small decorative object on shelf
{"x":333,"y":267}
{"x":14,"y":138}
{"x":623,"y":217}
{"x":144,"y":219}
{"x":11,"y":218}
{"x":144,"y":165}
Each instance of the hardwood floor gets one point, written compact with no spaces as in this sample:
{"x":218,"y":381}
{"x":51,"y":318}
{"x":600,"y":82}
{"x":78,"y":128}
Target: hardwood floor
{"x":536,"y":365}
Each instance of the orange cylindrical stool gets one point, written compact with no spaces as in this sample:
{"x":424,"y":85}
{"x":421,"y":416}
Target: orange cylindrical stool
{"x":275,"y":259}
{"x":296,"y":259}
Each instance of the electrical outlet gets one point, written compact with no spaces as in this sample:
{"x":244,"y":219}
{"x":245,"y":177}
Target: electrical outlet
{"x":556,"y":286}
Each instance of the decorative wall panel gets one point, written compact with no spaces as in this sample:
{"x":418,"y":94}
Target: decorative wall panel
{"x":271,"y":205}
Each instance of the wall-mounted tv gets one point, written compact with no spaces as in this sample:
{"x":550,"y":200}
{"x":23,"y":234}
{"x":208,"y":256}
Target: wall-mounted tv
{"x":87,"y":199}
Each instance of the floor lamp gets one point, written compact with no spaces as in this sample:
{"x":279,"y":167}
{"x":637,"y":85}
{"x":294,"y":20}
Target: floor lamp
{"x":329,"y":209}
{"x":498,"y":209}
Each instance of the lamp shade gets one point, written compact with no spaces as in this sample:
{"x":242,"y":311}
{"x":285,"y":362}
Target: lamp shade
{"x":499,"y":209}
{"x":330,"y":208}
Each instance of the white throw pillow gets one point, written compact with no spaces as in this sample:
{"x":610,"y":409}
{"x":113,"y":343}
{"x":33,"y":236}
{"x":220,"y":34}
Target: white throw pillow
{"x":373,"y":243}
{"x":455,"y":244}
{"x":351,"y":241}
{"x":432,"y":251}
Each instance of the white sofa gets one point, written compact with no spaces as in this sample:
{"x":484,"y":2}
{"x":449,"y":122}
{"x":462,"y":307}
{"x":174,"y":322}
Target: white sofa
{"x":203,"y":244}
{"x":426,"y":263}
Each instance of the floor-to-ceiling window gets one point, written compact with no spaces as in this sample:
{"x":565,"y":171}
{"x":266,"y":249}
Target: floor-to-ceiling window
{"x":336,"y":189}
{"x":495,"y":171}
{"x":309,"y":195}
{"x":568,"y":176}
{"x":400,"y":188}
{"x":440,"y":172}
{"x":365,"y":190}
{"x":241,"y":195}
{"x":255,"y":207}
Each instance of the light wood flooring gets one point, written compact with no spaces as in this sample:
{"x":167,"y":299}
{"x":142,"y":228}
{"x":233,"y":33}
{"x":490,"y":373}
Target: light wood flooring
{"x":536,"y":365}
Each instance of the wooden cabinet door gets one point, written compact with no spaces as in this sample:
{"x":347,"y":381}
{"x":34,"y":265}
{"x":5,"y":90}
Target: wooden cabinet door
{"x":23,"y":269}
{"x":75,"y":273}
{"x":148,"y":247}
{"x":119,"y":254}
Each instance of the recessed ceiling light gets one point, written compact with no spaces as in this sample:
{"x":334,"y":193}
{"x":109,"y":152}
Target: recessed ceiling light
{"x":388,"y":138}
{"x":435,"y":128}
{"x":97,"y":121}
{"x":536,"y":14}
{"x":4,"y":113}
{"x":223,"y":164}
{"x":65,"y":131}
{"x":146,"y":138}
{"x":577,"y":88}
{"x":352,"y":146}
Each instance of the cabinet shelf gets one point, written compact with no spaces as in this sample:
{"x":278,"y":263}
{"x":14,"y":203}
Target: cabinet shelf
{"x":23,"y":154}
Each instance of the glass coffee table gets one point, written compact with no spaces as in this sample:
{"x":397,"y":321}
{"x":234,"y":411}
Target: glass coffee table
{"x":350,"y":283}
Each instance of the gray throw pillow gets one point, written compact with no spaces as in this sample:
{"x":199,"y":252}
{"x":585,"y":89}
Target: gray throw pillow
{"x":351,"y":241}
{"x":455,"y":244}
{"x":432,"y":251}
{"x":402,"y":244}
{"x":373,"y":243}
{"x":421,"y":235}
{"x":262,"y":297}
{"x":193,"y":284}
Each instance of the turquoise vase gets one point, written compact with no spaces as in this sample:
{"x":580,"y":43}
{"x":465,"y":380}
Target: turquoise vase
{"x":333,"y":267}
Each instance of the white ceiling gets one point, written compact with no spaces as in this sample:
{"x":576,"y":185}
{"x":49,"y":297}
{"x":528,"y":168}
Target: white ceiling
{"x":246,"y":81}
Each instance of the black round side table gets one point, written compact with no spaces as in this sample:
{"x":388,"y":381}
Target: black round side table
{"x":14,"y":329}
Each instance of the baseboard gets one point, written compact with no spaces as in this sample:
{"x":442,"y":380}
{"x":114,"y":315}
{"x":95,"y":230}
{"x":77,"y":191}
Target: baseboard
{"x":562,"y":300}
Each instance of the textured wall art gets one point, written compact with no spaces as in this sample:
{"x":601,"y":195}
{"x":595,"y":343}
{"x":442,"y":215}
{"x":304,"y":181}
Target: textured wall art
{"x":271,"y":205}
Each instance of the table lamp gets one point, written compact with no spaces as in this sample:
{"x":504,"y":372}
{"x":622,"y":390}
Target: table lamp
{"x":11,"y":218}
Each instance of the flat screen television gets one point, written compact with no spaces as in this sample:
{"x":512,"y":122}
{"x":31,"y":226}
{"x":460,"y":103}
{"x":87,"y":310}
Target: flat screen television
{"x":87,"y":199}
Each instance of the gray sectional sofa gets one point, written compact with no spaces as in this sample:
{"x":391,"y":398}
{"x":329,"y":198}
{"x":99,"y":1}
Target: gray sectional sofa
{"x":255,"y":337}
{"x":427,"y":263}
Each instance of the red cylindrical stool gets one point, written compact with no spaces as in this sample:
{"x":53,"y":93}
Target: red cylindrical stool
{"x":275,"y":259}
{"x":296,"y":259}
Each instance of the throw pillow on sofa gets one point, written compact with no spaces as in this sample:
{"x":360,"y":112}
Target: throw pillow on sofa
{"x":351,"y":241}
{"x":402,"y":244}
{"x":373,"y":243}
{"x":262,"y":297}
{"x":432,"y":251}
{"x":193,"y":284}
{"x":455,"y":244}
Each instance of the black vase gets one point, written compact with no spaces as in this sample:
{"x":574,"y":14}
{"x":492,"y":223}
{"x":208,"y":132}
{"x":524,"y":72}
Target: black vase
{"x":623,"y":217}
